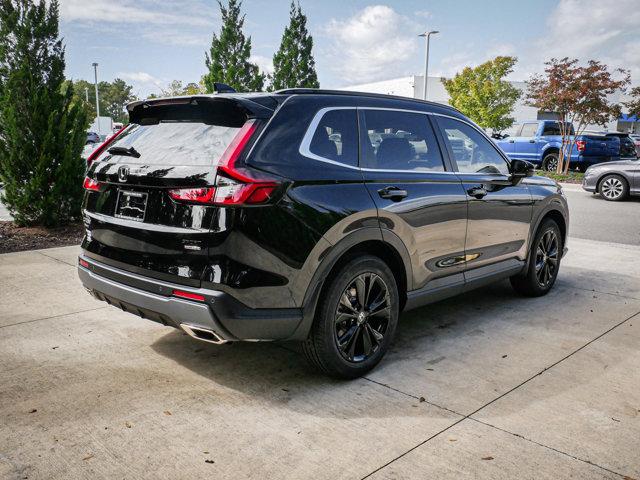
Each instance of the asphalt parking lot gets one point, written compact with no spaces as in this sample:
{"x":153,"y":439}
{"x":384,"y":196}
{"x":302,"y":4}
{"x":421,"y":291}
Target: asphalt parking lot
{"x":488,"y":385}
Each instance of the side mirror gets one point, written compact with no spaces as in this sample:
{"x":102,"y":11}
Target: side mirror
{"x":521,"y":169}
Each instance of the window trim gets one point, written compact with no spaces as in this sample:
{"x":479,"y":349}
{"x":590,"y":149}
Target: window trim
{"x":313,"y":125}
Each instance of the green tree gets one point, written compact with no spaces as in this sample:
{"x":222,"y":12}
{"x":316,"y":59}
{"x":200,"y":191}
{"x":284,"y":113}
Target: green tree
{"x":114,"y":97}
{"x":293,"y":63}
{"x":482,"y":94}
{"x":176,"y":89}
{"x":579,"y":95}
{"x":633,"y":105}
{"x":42,"y":130}
{"x":228,"y":59}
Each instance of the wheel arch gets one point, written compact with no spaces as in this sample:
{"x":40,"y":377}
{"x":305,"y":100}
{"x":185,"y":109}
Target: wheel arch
{"x":388,"y":247}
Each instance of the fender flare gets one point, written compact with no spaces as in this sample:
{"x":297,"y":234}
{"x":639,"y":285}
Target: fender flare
{"x":554,"y":205}
{"x":330,"y":258}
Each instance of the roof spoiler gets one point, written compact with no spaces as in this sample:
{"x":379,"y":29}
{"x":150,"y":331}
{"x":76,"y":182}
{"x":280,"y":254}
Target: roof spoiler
{"x":210,"y":109}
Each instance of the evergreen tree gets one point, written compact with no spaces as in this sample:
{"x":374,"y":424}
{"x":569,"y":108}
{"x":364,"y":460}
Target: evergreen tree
{"x":228,"y":59}
{"x":293,"y":63}
{"x":42,"y":130}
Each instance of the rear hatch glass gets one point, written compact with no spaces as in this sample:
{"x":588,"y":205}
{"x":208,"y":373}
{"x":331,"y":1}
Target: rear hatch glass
{"x":172,"y":143}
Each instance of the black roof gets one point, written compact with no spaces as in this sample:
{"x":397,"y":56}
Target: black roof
{"x":321,"y":91}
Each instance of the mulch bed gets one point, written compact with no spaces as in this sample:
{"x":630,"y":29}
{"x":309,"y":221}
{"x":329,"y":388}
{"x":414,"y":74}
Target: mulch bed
{"x":17,"y":239}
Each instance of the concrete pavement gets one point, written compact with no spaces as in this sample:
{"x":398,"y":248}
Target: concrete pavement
{"x":490,"y":385}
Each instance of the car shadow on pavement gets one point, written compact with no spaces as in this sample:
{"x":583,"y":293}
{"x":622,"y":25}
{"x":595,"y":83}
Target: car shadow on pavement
{"x":474,"y":324}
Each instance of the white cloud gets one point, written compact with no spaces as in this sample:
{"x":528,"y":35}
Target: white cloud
{"x":265,"y":64}
{"x":177,"y":37}
{"x":142,"y":82}
{"x":591,"y":30}
{"x":127,"y":11}
{"x":373,"y":44}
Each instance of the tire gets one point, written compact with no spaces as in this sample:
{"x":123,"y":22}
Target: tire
{"x":582,"y":167}
{"x":543,"y":263}
{"x":550,"y":162}
{"x":613,"y":188}
{"x":338,"y":317}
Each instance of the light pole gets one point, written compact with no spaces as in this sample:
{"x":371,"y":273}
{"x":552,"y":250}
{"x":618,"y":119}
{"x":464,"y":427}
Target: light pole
{"x":426,"y":60}
{"x":95,"y":71}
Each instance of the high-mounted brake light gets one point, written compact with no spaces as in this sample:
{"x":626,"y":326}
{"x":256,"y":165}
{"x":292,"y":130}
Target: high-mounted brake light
{"x":581,"y":145}
{"x":188,"y":295}
{"x":91,"y":184}
{"x":197,"y":195}
{"x":98,"y":151}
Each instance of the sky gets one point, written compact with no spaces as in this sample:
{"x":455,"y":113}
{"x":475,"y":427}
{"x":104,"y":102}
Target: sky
{"x":149,"y":43}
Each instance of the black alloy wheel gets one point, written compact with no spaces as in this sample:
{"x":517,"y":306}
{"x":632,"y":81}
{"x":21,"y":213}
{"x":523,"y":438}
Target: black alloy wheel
{"x":356,"y":318}
{"x":547,"y":259}
{"x":362,"y":317}
{"x":543,"y":263}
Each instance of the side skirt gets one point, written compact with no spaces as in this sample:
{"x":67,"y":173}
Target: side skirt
{"x":453,"y":285}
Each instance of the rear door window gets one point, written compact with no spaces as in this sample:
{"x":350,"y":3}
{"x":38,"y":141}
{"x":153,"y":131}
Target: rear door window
{"x":397,"y":140}
{"x":335,"y":138}
{"x":172,"y":143}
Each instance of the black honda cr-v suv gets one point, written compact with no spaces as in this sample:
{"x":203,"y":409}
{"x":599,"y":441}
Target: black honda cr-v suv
{"x":309,"y":215}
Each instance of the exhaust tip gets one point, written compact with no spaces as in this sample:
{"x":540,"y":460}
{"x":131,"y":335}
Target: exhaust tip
{"x":203,"y":334}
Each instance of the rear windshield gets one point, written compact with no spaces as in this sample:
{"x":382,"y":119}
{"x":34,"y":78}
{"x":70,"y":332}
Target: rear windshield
{"x":172,"y":143}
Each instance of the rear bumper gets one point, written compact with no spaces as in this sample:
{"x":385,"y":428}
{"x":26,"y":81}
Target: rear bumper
{"x":218,"y":319}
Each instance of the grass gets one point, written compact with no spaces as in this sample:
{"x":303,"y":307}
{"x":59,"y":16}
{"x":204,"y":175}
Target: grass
{"x":571,"y":177}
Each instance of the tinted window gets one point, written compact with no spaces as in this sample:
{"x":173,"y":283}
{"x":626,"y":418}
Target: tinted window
{"x":336,"y":137}
{"x":471,"y":150}
{"x":173,"y":143}
{"x":529,"y":130}
{"x":394,"y":140}
{"x":553,"y":128}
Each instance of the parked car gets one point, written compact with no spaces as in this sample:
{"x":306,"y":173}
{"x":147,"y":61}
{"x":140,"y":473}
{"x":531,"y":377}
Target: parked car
{"x":236,"y":217}
{"x":92,"y":137}
{"x":636,"y":141}
{"x":615,"y":181}
{"x":539,"y":142}
{"x":627,"y":145}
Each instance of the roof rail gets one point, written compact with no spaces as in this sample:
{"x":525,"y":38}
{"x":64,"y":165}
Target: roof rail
{"x":321,"y":91}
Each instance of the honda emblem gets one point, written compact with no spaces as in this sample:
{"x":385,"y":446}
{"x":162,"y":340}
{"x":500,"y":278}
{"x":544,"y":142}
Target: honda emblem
{"x":123,"y":174}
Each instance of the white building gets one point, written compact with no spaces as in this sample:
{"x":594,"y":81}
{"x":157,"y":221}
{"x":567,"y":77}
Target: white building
{"x":412,"y":87}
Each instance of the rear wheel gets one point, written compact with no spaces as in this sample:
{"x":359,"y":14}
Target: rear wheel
{"x":544,"y":262}
{"x":614,"y":188}
{"x":550,"y":162}
{"x":356,"y":319}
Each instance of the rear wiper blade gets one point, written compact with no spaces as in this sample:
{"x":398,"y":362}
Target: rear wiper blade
{"x":127,"y":152}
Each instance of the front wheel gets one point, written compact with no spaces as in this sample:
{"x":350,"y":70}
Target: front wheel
{"x":543,"y":264}
{"x":356,"y":319}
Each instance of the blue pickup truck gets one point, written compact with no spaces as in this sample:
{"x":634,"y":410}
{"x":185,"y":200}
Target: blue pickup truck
{"x":539,"y":142}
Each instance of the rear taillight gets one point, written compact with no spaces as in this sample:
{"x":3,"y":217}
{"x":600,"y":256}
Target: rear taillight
{"x":197,"y":195}
{"x":91,"y":184}
{"x":98,"y":151}
{"x":236,"y":186}
{"x":581,"y":145}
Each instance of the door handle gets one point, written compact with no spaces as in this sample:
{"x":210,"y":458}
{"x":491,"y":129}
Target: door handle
{"x":477,"y":192}
{"x":392,"y":193}
{"x":532,"y":141}
{"x":511,"y":141}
